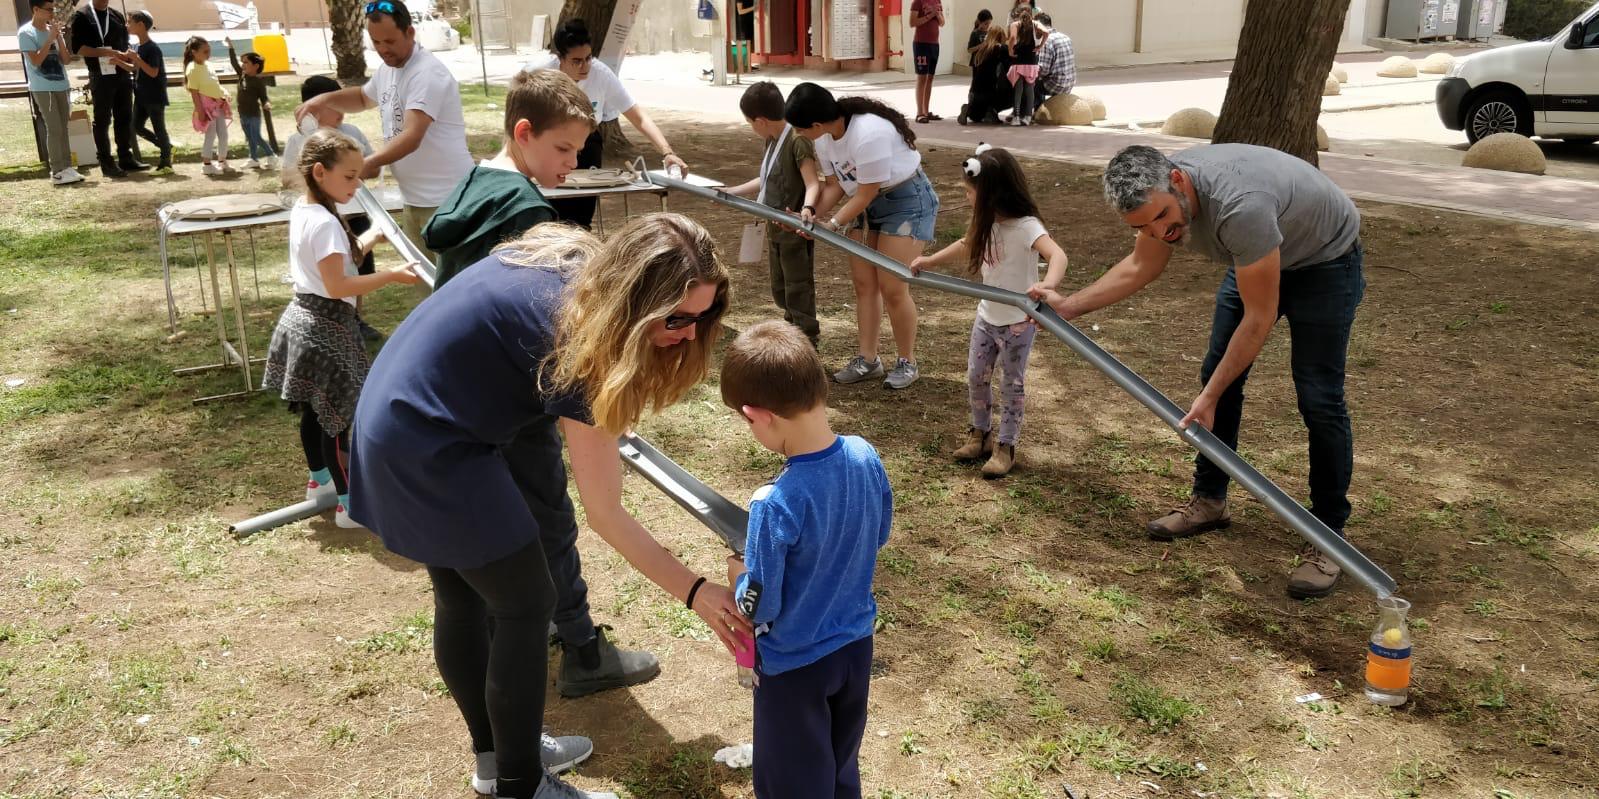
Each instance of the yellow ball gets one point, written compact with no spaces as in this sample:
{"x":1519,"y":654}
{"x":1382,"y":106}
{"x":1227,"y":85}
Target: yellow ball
{"x":1392,"y":637}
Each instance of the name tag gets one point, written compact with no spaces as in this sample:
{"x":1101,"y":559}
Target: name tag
{"x":107,"y":66}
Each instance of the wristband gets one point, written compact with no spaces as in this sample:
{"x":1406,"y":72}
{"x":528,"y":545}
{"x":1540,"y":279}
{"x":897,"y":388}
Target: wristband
{"x":692,"y":591}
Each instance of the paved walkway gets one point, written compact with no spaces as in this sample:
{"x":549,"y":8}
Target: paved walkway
{"x":1534,"y":199}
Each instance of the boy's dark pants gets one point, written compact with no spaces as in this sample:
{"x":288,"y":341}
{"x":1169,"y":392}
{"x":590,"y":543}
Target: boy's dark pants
{"x":792,"y":261}
{"x":150,"y":123}
{"x":808,"y":727}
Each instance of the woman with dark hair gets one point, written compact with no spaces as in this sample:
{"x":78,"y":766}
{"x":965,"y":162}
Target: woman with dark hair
{"x":869,"y":152}
{"x":1024,"y":64}
{"x":574,"y":55}
{"x":556,"y":330}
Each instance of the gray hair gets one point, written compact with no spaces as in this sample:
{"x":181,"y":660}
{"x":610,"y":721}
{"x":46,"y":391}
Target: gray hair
{"x":1135,"y":173}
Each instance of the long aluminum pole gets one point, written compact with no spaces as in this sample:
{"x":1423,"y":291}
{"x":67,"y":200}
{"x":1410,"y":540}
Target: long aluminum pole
{"x":380,"y":217}
{"x":1286,"y":507}
{"x":282,"y":516}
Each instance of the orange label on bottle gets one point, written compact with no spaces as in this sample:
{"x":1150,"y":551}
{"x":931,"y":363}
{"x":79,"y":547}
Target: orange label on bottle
{"x":1388,"y":674}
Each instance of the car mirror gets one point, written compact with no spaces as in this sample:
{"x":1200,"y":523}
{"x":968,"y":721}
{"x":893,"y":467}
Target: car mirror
{"x":1574,"y":41}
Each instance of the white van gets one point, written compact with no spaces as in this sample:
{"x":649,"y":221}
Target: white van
{"x":1547,"y":88}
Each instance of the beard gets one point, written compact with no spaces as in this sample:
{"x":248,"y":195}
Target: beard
{"x":1187,"y":214}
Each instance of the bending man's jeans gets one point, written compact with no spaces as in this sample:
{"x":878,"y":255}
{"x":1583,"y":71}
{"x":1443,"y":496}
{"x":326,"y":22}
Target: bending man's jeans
{"x":1320,"y":302}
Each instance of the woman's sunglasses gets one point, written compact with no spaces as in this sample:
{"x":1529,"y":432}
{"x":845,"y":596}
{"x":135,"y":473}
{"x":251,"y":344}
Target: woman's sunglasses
{"x":679,"y":321}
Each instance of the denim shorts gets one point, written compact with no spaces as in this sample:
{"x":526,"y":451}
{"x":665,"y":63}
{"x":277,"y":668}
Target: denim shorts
{"x":909,"y":209}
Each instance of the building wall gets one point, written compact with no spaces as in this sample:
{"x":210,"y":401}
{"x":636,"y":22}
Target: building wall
{"x":202,"y":14}
{"x":662,"y":25}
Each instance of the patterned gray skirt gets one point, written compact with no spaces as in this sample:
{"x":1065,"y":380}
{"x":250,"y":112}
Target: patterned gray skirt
{"x":317,"y":358}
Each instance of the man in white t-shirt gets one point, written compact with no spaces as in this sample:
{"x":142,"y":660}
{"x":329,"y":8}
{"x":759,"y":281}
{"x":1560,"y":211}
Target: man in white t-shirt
{"x":574,"y":55}
{"x":424,"y":133}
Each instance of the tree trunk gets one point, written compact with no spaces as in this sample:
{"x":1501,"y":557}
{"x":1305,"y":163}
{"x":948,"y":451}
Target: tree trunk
{"x":349,"y":49}
{"x":1285,"y":52}
{"x":597,"y":15}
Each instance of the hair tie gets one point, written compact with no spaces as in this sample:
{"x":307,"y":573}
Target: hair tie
{"x":982,"y":147}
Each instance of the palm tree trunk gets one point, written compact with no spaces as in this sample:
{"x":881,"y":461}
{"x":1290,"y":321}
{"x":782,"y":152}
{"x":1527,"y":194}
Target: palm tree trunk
{"x":349,"y":49}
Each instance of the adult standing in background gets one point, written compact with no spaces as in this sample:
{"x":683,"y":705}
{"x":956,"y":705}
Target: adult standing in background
{"x":100,"y":36}
{"x":927,"y":16}
{"x":44,"y":56}
{"x":574,"y":55}
{"x":1057,"y":61}
{"x":424,"y":132}
{"x":1290,"y":239}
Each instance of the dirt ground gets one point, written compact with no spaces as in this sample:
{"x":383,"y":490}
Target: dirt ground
{"x":1031,"y":636}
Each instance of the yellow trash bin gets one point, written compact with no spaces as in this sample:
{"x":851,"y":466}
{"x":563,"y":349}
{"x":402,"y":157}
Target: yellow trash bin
{"x":274,"y":48}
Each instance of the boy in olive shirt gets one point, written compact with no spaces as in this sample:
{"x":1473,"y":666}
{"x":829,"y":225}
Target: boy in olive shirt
{"x":788,"y":181}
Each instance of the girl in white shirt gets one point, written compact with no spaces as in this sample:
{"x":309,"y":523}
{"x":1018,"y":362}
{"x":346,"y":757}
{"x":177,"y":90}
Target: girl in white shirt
{"x":869,"y":151}
{"x":1001,"y":246}
{"x":317,"y":358}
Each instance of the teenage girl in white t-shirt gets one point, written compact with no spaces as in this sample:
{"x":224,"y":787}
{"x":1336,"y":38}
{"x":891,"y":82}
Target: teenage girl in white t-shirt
{"x":317,"y":358}
{"x":869,"y":153}
{"x":1002,"y":247}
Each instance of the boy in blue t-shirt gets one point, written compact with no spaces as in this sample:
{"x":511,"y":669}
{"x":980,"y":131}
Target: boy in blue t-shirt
{"x":806,"y":582}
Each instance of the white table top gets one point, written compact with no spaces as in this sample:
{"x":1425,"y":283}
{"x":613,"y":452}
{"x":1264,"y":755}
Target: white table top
{"x":388,"y":195}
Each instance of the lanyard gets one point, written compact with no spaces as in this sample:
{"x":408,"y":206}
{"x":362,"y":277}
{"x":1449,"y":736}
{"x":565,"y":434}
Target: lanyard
{"x":770,"y":161}
{"x":97,"y":26}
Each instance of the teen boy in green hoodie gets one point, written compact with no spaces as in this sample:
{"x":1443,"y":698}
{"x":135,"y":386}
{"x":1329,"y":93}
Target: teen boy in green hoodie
{"x":547,"y":120}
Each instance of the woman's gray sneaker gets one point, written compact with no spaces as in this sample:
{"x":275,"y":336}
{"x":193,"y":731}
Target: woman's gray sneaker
{"x":902,"y":375}
{"x":858,"y":369}
{"x":562,"y":754}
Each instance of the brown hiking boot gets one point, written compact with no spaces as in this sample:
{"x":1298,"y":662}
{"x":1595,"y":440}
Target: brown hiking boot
{"x":978,"y":444}
{"x":1199,"y":515}
{"x":1315,"y":575}
{"x":1000,"y":464}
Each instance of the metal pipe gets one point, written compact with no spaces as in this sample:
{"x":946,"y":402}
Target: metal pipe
{"x":1352,"y":560}
{"x":373,"y":208}
{"x":724,"y":518}
{"x":282,"y":516}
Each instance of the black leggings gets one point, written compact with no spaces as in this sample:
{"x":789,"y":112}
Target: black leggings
{"x":322,"y":450}
{"x":498,"y":680}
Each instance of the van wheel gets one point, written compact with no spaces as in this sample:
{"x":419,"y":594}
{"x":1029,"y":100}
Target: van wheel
{"x":1497,"y":112}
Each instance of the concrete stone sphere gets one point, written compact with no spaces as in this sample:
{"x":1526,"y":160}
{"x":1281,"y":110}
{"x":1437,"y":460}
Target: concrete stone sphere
{"x":1097,"y":104}
{"x":1193,"y":123}
{"x":1322,"y":142}
{"x":1331,"y":86}
{"x":1507,"y":152}
{"x":1066,"y":109}
{"x":1340,"y":73}
{"x":1437,"y":63}
{"x":1397,"y":67}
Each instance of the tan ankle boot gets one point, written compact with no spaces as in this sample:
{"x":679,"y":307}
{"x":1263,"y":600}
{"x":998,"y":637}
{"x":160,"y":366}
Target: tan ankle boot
{"x":1199,"y":515}
{"x":1000,"y":464}
{"x":978,"y":444}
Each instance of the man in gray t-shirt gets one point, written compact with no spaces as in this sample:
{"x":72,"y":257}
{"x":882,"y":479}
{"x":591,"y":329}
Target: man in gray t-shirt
{"x":1290,"y":240}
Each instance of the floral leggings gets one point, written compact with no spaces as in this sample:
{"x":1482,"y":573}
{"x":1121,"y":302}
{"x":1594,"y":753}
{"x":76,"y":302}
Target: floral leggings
{"x":1009,"y":345}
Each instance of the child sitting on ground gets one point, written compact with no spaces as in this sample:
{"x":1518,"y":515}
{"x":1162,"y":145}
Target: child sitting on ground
{"x":787,"y":181}
{"x":211,"y":108}
{"x":316,"y":358}
{"x":814,"y":534}
{"x":254,"y":106}
{"x":999,"y":247}
{"x":547,"y":121}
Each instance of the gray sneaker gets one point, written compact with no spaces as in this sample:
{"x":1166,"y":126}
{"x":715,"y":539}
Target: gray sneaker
{"x":902,"y":375}
{"x":858,"y":369}
{"x":562,"y":754}
{"x":551,"y":787}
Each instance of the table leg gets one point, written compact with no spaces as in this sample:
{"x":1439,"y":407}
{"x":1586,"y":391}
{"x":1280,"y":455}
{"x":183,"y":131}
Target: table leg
{"x":627,"y":210}
{"x":255,"y":273}
{"x":663,"y":201}
{"x":166,"y":278}
{"x":199,"y":274}
{"x":216,"y":294}
{"x":238,"y":313}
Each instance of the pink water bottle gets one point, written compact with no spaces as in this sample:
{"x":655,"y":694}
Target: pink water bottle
{"x":746,"y":661}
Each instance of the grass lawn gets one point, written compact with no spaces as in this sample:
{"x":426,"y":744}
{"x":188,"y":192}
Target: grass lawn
{"x":1030,"y":634}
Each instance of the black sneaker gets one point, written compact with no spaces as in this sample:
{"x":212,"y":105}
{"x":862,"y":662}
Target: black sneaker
{"x":369,"y":332}
{"x":111,"y":170}
{"x":133,"y":165}
{"x":599,"y":666}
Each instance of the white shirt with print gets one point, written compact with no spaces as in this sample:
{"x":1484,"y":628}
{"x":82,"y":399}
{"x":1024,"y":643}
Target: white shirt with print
{"x":441,"y":160}
{"x":607,"y":96}
{"x":872,"y":151}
